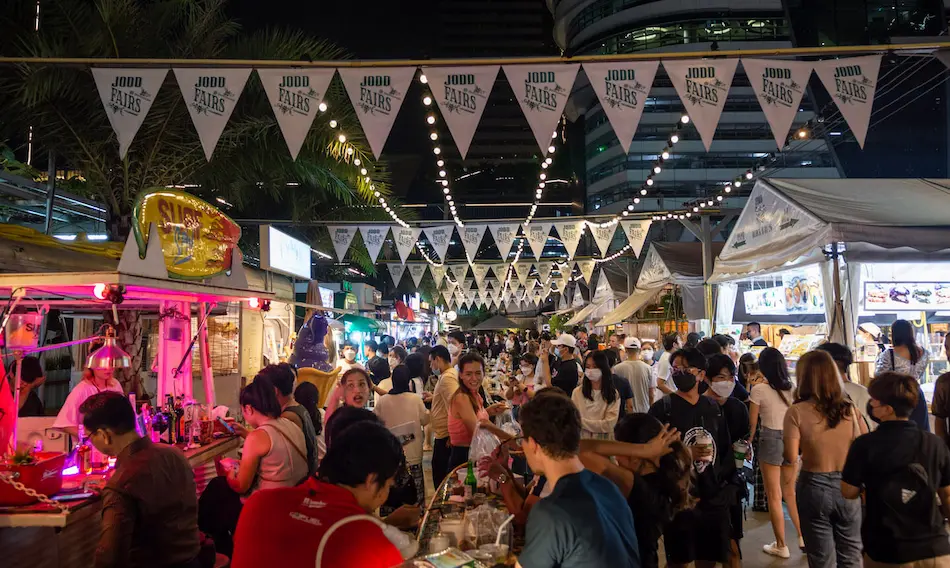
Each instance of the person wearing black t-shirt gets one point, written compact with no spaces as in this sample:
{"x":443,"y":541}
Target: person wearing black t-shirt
{"x":704,"y":534}
{"x":656,"y":487}
{"x":567,"y":372}
{"x":377,"y":366}
{"x":903,"y":471}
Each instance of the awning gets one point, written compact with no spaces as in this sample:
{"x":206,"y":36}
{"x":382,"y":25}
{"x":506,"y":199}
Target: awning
{"x":628,"y":307}
{"x":590,"y":308}
{"x":359,"y":323}
{"x":494,"y":323}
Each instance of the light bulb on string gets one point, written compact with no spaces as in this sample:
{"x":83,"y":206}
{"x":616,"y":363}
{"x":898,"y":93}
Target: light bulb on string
{"x":350,"y":151}
{"x":551,"y":149}
{"x":718,"y":198}
{"x":543,"y":176}
{"x":665,"y":155}
{"x":649,"y":181}
{"x":544,"y":165}
{"x":728,"y":188}
{"x":674,"y":139}
{"x":446,"y":190}
{"x":362,"y":171}
{"x":427,"y":101}
{"x":323,"y":107}
{"x":357,"y":162}
{"x":442,"y":173}
{"x":430,"y":119}
{"x":433,"y":137}
{"x":657,"y":169}
{"x":445,"y":182}
{"x":423,"y":79}
{"x":748,"y":175}
{"x":440,"y":163}
{"x":341,"y":138}
{"x":643,"y":192}
{"x":437,"y":150}
{"x":333,"y":124}
{"x":684,"y":119}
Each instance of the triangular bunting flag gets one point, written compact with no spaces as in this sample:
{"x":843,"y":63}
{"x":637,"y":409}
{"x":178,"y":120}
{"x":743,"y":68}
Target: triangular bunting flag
{"x":480,"y":271}
{"x":342,"y":236}
{"x":779,"y":85}
{"x":127,"y":94}
{"x":636,"y":233}
{"x":570,"y":233}
{"x":462,"y":94}
{"x":544,"y":271}
{"x":472,"y":239}
{"x":438,"y":274}
{"x":373,"y":237}
{"x":459,"y":271}
{"x":702,"y":85}
{"x":211,"y":95}
{"x":587,"y":269}
{"x":542,"y":92}
{"x":376,"y":94}
{"x":500,"y":270}
{"x":522,"y":269}
{"x":396,"y":270}
{"x":295,"y":95}
{"x":417,"y":271}
{"x":405,"y":239}
{"x":447,"y":296}
{"x":851,"y":83}
{"x":603,"y":236}
{"x":504,"y":235}
{"x":439,"y":237}
{"x":537,"y":233}
{"x":622,"y":88}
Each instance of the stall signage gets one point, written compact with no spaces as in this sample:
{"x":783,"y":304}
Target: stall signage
{"x":197,"y":239}
{"x":803,"y":293}
{"x":906,"y":296}
{"x":326,"y":297}
{"x":284,"y":254}
{"x":765,"y":301}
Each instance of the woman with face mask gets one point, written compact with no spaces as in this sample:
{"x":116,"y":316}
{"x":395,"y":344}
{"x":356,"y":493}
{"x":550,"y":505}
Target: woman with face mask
{"x":770,"y":398}
{"x":596,"y":398}
{"x":520,"y":389}
{"x":348,"y":360}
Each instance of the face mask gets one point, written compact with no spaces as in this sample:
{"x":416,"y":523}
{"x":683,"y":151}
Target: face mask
{"x":870,"y":410}
{"x":647,"y":355}
{"x":393,"y":362}
{"x":436,"y":371}
{"x":723,"y":388}
{"x":454,"y":349}
{"x":684,"y":381}
{"x":509,"y":344}
{"x":526,"y":370}
{"x":593,"y":375}
{"x":349,"y":355}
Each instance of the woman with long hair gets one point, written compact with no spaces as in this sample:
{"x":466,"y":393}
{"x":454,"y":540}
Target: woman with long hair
{"x":403,"y":412}
{"x":748,"y":369}
{"x":467,"y":410}
{"x":307,"y":395}
{"x":908,"y":358}
{"x":770,"y":398}
{"x":652,"y":471}
{"x":821,"y":426}
{"x":597,"y":399}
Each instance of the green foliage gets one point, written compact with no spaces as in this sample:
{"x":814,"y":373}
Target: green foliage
{"x":251,"y":167}
{"x":557,"y":323}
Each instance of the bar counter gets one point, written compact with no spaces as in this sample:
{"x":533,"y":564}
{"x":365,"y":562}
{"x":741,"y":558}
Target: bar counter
{"x":39,"y":537}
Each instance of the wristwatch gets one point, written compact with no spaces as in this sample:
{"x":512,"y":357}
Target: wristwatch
{"x":503,"y":479}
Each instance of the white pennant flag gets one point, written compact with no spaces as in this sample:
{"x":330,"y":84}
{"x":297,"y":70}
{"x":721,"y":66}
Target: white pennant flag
{"x":405,"y":240}
{"x":500,"y":270}
{"x":570,"y":233}
{"x":462,"y":94}
{"x":396,"y":271}
{"x":448,"y":297}
{"x":562,"y":282}
{"x":373,"y":237}
{"x":451,"y":284}
{"x":438,"y":274}
{"x":211,"y":95}
{"x":851,"y":83}
{"x":542,"y":92}
{"x":587,"y":269}
{"x":471,"y":239}
{"x":537,"y":234}
{"x":417,"y":271}
{"x":460,"y":271}
{"x":544,"y":271}
{"x":622,"y":89}
{"x":439,"y":237}
{"x":522,"y":269}
{"x":702,"y":85}
{"x":480,"y":271}
{"x":127,"y":94}
{"x":779,"y":85}
{"x":376,"y":94}
{"x":342,"y":236}
{"x":636,"y":233}
{"x":504,"y":235}
{"x":603,"y":236}
{"x":295,"y":95}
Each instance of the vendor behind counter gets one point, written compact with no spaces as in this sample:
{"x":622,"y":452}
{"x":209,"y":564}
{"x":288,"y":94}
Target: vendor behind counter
{"x":93,"y":381}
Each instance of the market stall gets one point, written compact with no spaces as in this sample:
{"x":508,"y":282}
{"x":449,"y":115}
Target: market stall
{"x":178,"y":267}
{"x":841,"y":249}
{"x":667,"y":267}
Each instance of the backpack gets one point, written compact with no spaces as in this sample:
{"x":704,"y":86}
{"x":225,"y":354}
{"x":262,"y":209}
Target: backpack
{"x":908,"y":499}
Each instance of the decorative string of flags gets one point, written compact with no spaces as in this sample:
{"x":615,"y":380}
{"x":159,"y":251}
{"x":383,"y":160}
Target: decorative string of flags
{"x":504,"y":235}
{"x":542,"y":90}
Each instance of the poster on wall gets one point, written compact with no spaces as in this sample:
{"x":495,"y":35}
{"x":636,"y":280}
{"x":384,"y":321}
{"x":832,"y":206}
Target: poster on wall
{"x":803,"y":293}
{"x":906,"y":296}
{"x":765,"y":301}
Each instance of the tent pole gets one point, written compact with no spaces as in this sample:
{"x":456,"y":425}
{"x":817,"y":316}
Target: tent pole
{"x":838,"y":318}
{"x":706,"y":232}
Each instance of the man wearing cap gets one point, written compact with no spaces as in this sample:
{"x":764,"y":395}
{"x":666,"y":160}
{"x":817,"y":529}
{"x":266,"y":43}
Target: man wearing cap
{"x":567,"y":372}
{"x":638,"y":374}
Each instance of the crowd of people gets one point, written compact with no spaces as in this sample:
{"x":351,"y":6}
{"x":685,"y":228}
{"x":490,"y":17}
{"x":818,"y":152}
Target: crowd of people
{"x":620,"y":444}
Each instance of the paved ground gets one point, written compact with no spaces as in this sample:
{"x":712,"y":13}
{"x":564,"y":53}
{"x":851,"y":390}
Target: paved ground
{"x":758,"y":533}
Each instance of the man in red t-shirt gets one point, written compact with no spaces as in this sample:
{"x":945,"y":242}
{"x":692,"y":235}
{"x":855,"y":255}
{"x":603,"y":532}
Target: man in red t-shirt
{"x":289,"y":526}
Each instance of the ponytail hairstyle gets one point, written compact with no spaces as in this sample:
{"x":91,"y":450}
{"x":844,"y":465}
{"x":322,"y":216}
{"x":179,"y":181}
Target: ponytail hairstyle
{"x":675,"y":469}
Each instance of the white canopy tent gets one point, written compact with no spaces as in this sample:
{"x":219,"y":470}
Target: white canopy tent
{"x":604,"y":299}
{"x":790,"y":223}
{"x":665,"y":264}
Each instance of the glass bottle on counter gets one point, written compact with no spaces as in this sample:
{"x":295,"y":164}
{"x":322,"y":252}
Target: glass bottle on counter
{"x":172,"y":418}
{"x":471,"y":482}
{"x":83,"y":451}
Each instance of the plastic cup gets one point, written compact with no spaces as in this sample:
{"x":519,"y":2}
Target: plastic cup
{"x":439,"y":542}
{"x":499,"y":552}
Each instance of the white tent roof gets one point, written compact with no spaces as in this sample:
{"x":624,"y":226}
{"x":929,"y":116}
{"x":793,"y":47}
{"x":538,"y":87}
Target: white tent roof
{"x":787,"y":223}
{"x":589,"y":309}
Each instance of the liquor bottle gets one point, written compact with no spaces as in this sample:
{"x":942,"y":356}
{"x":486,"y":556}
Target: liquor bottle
{"x":172,"y":419}
{"x":83,"y":457}
{"x":471,"y":482}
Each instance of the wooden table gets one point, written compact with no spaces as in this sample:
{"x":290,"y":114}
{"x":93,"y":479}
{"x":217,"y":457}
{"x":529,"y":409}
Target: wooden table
{"x":37,"y":537}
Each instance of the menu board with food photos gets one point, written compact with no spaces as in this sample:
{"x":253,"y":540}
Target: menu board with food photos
{"x":906,"y":296}
{"x":803,"y":293}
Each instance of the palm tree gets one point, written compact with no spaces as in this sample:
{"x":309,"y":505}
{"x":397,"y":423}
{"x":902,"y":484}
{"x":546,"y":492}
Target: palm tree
{"x":251,"y":168}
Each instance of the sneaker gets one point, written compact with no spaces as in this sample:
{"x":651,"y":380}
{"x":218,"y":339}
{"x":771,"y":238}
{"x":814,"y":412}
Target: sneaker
{"x":801,"y":544}
{"x":774,"y":550}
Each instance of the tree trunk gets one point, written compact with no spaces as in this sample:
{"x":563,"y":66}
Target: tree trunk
{"x":128,"y":334}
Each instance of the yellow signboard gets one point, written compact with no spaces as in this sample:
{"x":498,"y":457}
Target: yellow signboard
{"x":197,"y":238}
